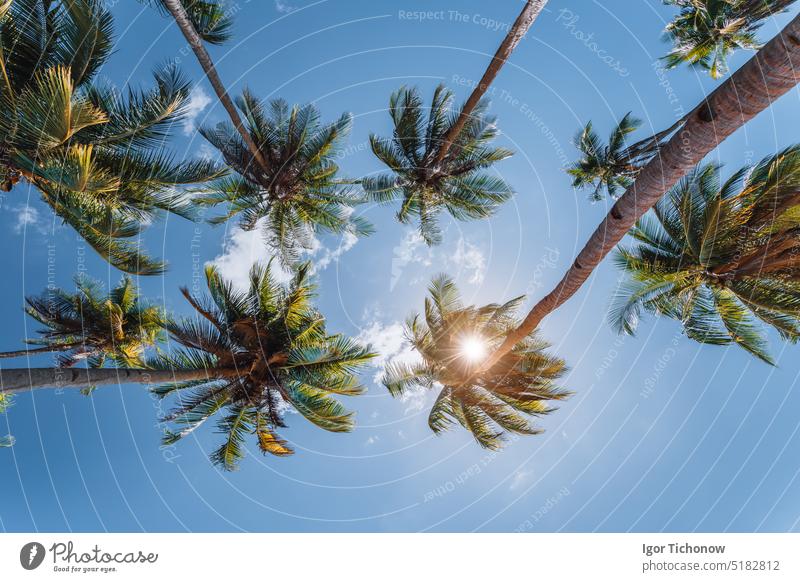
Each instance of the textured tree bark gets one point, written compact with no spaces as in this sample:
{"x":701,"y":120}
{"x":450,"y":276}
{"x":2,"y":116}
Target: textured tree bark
{"x":179,"y":14}
{"x":773,"y":71}
{"x":42,"y":350}
{"x":25,"y":379}
{"x":519,"y":28}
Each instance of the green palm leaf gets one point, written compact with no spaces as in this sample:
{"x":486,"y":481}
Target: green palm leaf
{"x":720,"y":257}
{"x":489,"y":403}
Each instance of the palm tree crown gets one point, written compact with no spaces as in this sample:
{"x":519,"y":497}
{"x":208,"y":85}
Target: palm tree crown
{"x":720,"y":257}
{"x":300,"y":192}
{"x":706,"y":32}
{"x":265,"y":350}
{"x":92,"y":153}
{"x":208,"y":17}
{"x":610,"y":168}
{"x":451,"y":339}
{"x":90,"y":326}
{"x":424,"y":187}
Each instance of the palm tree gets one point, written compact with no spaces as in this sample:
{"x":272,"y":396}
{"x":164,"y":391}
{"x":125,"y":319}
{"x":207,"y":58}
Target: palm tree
{"x":208,"y":18}
{"x":426,"y":172}
{"x":706,"y":32}
{"x":266,"y":350}
{"x":720,"y":257}
{"x":611,"y":168}
{"x":299,"y":193}
{"x":763,"y":79}
{"x":254,"y":354}
{"x":451,"y":339}
{"x":92,"y":327}
{"x":515,"y":34}
{"x":425,"y":187}
{"x":606,"y":167}
{"x":207,"y":21}
{"x":93,"y":154}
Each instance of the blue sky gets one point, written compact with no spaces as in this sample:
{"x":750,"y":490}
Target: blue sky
{"x":661,"y":434}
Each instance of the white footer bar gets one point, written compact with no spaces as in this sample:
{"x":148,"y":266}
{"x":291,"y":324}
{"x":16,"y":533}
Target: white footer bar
{"x":389,"y":557}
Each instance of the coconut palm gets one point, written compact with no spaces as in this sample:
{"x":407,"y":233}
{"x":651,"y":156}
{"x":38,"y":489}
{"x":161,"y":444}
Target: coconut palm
{"x":720,"y":258}
{"x":451,"y":339}
{"x":299,"y":193}
{"x":209,"y":19}
{"x":203,"y":21}
{"x":706,"y":32}
{"x":93,"y":154}
{"x":436,"y":166}
{"x":253,"y":354}
{"x":458,"y":184}
{"x":515,"y":34}
{"x":763,"y":79}
{"x":94,"y":327}
{"x":610,"y":167}
{"x":266,"y":350}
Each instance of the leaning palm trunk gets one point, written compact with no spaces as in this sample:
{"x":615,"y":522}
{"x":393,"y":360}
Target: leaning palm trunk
{"x":179,"y":14}
{"x":773,"y":71}
{"x":520,"y":27}
{"x":25,"y":379}
{"x":35,"y":351}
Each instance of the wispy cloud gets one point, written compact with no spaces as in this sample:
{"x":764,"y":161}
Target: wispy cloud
{"x":198,"y":101}
{"x":206,"y":152}
{"x":244,"y":248}
{"x":469,"y":260}
{"x":389,"y":342}
{"x":466,"y":258}
{"x":410,"y":249}
{"x":28,"y":219}
{"x":324,"y":256}
{"x":241,"y":250}
{"x":520,"y":478}
{"x":284,"y":7}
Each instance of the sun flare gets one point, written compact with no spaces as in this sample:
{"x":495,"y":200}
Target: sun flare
{"x":473,"y":348}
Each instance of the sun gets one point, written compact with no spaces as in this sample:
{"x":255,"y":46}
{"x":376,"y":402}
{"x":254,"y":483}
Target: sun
{"x":473,"y":348}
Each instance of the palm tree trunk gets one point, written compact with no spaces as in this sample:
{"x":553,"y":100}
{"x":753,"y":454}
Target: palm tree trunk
{"x":773,"y":71}
{"x":179,"y":14}
{"x":24,"y":379}
{"x":42,"y":350}
{"x":520,"y":27}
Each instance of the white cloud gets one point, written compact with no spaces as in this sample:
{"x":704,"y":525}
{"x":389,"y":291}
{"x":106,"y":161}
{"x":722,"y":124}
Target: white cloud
{"x":372,"y":440}
{"x":466,"y":258}
{"x":410,"y":249}
{"x":28,"y":219}
{"x":469,"y":259}
{"x":244,"y":248}
{"x":327,"y":256}
{"x":283,"y":7}
{"x":389,"y":341}
{"x":520,"y":477}
{"x":198,"y":101}
{"x":241,"y":250}
{"x":206,"y":152}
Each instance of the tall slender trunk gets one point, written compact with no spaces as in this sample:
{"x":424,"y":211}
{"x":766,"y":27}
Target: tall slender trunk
{"x":187,"y":28}
{"x":25,"y":379}
{"x":773,"y":71}
{"x":34,"y":351}
{"x":516,"y":32}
